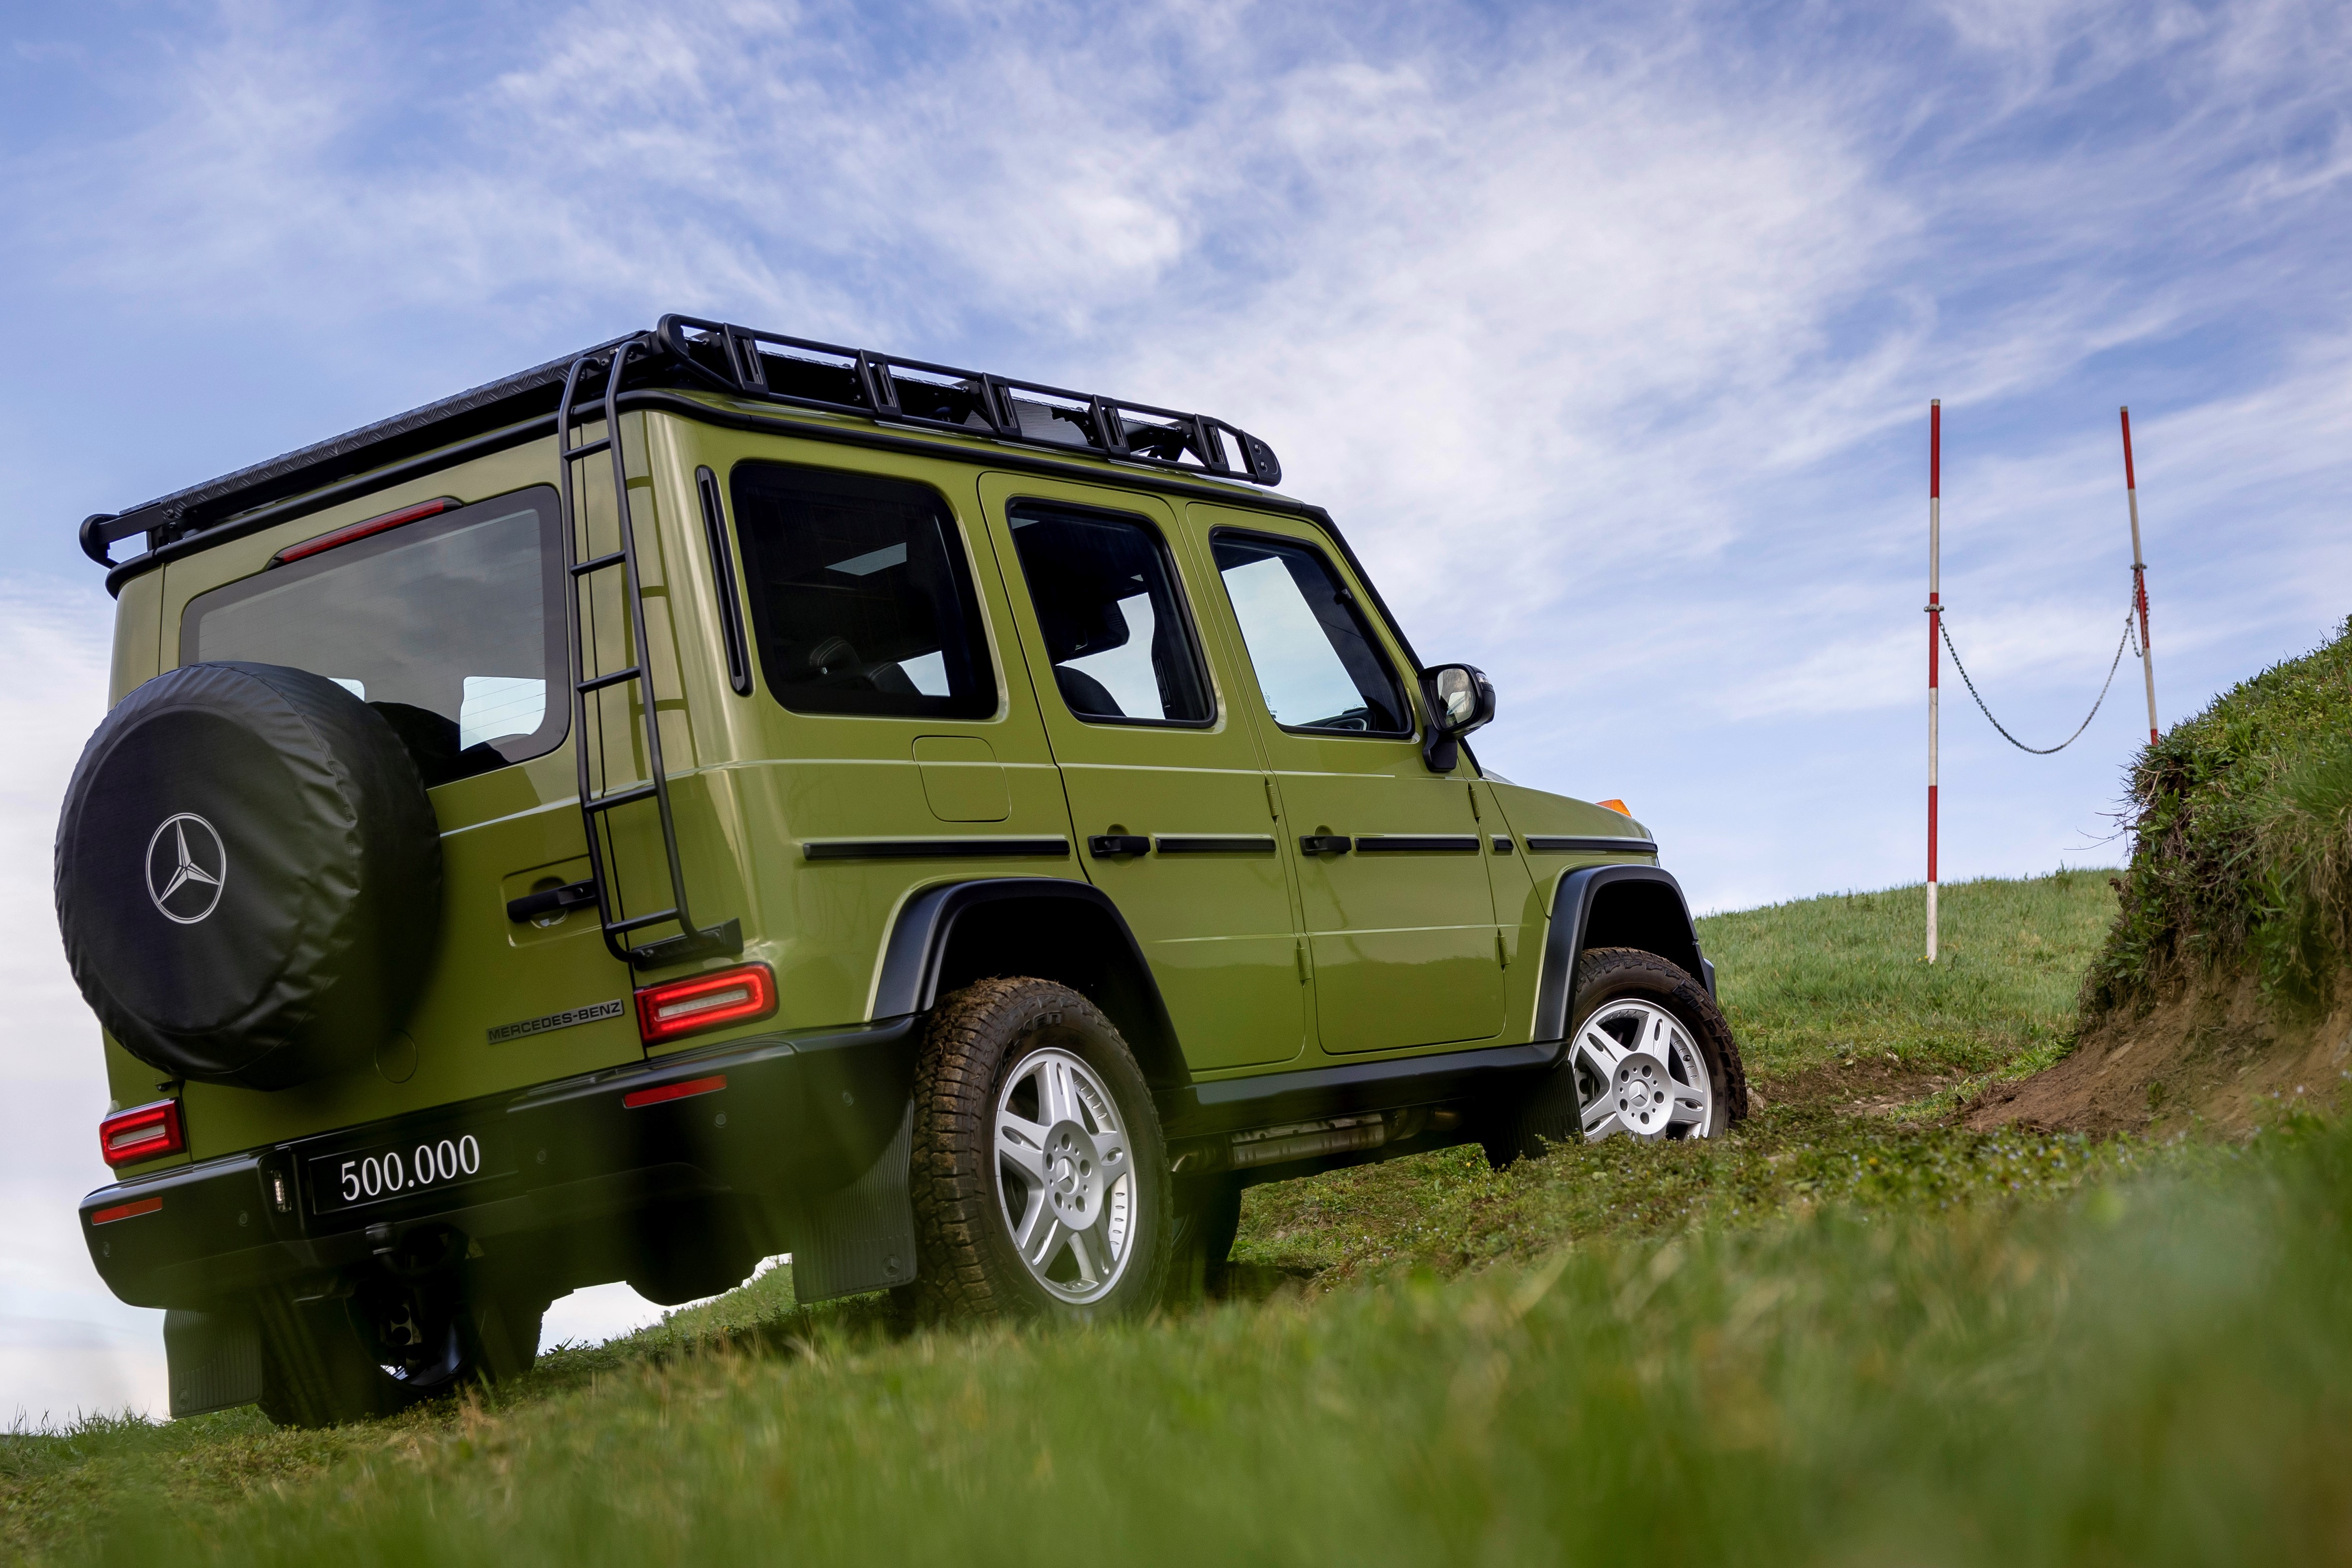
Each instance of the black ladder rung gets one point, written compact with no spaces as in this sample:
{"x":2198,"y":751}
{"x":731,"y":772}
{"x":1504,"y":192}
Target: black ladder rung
{"x":639,"y":923}
{"x":598,"y":683}
{"x":599,"y":564}
{"x":588,"y":449}
{"x":607,"y":802}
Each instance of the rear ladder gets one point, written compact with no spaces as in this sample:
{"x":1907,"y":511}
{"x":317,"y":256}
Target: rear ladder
{"x":691,"y":941}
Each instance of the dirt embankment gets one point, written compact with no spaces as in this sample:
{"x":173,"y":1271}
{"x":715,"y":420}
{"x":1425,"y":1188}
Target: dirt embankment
{"x":2220,"y":1052}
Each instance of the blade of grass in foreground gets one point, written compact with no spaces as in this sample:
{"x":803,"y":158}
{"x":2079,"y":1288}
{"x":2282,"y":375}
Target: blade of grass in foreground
{"x":2153,"y":1372}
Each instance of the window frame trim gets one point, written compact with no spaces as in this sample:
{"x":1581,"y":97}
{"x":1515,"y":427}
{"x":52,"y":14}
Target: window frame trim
{"x":1190,"y":620}
{"x":1413,"y":731}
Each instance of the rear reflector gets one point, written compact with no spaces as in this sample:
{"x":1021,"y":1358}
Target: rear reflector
{"x":668,"y":1091}
{"x":142,"y":1132}
{"x":676,"y":1008}
{"x":130,"y":1210}
{"x":351,"y":531}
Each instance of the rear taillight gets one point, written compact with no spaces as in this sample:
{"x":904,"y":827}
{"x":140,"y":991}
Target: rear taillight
{"x":676,"y":1008}
{"x":142,"y":1132}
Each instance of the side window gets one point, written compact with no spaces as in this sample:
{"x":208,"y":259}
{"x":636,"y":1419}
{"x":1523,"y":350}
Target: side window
{"x":451,"y":627}
{"x":1316,"y":660}
{"x":860,"y":596}
{"x":1115,"y":631}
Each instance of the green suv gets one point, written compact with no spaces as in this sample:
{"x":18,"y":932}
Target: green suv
{"x":720,"y":794}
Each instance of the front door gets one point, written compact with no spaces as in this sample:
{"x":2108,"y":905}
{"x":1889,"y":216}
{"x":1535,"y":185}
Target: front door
{"x":1398,"y":916}
{"x":1173,"y":812}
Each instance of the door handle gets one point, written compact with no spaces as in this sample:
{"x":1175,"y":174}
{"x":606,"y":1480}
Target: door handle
{"x":1108,"y":846}
{"x":566,"y":898}
{"x":1325,"y":844}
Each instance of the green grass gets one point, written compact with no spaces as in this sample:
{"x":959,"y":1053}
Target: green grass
{"x":1829,"y":1337}
{"x":1817,"y":982}
{"x":1448,"y":1212}
{"x":2153,"y":1370}
{"x":2243,"y":842}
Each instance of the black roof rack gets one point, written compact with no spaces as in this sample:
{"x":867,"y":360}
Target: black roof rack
{"x":688,"y":351}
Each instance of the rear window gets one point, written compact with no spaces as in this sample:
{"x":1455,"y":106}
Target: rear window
{"x":860,"y":596}
{"x":451,"y":627}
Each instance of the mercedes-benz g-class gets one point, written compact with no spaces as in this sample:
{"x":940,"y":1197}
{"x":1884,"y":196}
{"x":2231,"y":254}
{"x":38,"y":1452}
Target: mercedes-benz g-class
{"x":719,"y":795}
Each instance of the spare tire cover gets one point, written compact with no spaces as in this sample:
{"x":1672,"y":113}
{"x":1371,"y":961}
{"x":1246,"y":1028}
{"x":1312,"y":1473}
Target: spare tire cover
{"x":248,"y":874}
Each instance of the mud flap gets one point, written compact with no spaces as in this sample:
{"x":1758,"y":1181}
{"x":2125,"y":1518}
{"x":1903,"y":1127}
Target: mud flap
{"x":861,"y":1238}
{"x":214,"y":1360}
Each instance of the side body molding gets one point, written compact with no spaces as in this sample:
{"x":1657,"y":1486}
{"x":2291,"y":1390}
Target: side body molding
{"x":1638,"y":906}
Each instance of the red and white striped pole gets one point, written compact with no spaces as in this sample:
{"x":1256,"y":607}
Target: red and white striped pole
{"x":2139,"y":578}
{"x":1934,"y":634}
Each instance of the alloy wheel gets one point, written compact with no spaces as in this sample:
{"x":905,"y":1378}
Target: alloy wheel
{"x":1066,"y":1180}
{"x":1640,"y":1073}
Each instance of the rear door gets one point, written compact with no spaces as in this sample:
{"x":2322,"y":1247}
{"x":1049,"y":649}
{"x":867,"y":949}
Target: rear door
{"x":451,"y":627}
{"x":1398,"y":911}
{"x":1168,"y":791}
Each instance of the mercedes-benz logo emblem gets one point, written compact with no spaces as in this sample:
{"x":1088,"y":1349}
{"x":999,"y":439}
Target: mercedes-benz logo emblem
{"x":186,"y":867}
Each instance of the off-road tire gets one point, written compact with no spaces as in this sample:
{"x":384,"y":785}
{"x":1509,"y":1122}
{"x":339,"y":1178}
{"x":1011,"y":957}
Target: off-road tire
{"x":969,"y":1269}
{"x":1549,"y":1112}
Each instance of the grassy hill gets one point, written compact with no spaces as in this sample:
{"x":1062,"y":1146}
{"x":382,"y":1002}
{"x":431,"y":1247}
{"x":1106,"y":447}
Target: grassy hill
{"x":2219,"y":992}
{"x":1851,"y":1331}
{"x":2242,"y":842}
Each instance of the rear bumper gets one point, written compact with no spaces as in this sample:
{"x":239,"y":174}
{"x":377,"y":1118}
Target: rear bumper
{"x":796,"y":1133}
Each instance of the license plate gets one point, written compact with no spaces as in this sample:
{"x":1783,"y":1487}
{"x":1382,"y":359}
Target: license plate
{"x":358,"y":1177}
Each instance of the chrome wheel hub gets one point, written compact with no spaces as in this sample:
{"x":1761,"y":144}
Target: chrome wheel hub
{"x":1065,"y":1183}
{"x":1074,"y":1184}
{"x":1639,"y":1072}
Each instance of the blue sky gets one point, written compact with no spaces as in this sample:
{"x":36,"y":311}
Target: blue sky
{"x":1607,"y":331}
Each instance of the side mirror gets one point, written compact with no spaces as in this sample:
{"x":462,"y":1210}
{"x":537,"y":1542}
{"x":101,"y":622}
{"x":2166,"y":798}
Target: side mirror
{"x":1460,"y":699}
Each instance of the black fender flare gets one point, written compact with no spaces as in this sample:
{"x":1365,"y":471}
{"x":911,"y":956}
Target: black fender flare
{"x":914,"y":956}
{"x":1572,"y":904}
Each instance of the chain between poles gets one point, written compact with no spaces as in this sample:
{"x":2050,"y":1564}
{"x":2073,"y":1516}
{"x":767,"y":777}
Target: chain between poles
{"x":2113,"y":665}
